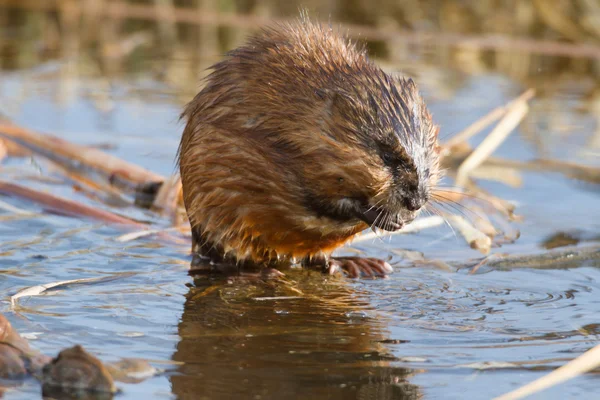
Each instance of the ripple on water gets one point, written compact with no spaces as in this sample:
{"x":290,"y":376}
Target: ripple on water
{"x":498,"y":306}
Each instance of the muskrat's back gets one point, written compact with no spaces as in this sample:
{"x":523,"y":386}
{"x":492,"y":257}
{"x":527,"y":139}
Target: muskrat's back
{"x":284,"y":66}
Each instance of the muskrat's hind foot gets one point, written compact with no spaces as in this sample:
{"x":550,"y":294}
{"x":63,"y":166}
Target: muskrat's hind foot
{"x":203,"y":266}
{"x":358,"y":267}
{"x":353,"y":267}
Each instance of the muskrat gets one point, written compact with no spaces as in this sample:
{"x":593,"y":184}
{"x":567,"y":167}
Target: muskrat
{"x":297,"y":143}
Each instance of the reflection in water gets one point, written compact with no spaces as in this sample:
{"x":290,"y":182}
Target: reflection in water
{"x":267,"y":340}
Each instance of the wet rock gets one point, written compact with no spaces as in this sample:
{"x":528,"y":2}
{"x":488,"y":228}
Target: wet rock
{"x":12,"y":366}
{"x":131,"y":370}
{"x":74,"y":369}
{"x":9,"y":336}
{"x":17,"y":359}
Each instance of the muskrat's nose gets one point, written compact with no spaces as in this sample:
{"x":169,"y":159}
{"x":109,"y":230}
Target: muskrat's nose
{"x":413,"y":203}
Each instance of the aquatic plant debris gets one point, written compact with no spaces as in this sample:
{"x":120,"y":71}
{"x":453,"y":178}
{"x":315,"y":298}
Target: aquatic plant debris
{"x":40,"y":289}
{"x":78,"y":158}
{"x":498,"y":135}
{"x":485,"y":121}
{"x":419,"y":224}
{"x":584,"y":363}
{"x":63,"y":206}
{"x":474,"y":237}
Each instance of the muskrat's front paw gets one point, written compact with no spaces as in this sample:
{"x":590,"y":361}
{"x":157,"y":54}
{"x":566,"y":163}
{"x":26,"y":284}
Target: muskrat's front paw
{"x":357,"y":267}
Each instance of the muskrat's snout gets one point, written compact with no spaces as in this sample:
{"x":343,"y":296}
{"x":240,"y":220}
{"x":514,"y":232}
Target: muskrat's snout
{"x":395,"y":213}
{"x":386,"y":219}
{"x":414,"y":203}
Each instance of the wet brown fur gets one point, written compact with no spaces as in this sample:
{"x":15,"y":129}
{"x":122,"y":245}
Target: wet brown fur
{"x":279,"y":121}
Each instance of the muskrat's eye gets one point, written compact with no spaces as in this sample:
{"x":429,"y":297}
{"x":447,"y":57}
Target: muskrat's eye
{"x":388,"y":158}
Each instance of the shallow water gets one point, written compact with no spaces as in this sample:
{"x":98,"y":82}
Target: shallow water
{"x":425,"y":331}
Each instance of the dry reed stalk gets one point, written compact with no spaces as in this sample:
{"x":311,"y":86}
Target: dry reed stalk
{"x":63,"y":206}
{"x":122,"y":10}
{"x":505,"y":207}
{"x":169,"y":198}
{"x":473,"y":236}
{"x":458,"y":154}
{"x":419,"y":224}
{"x":508,"y":176}
{"x":3,"y":151}
{"x":584,"y":363}
{"x":38,"y":290}
{"x":165,"y":11}
{"x":15,"y":210}
{"x":573,"y":170}
{"x":85,"y":184}
{"x":75,"y":157}
{"x":483,"y":223}
{"x":487,"y":120}
{"x":504,"y":128}
{"x":12,"y":149}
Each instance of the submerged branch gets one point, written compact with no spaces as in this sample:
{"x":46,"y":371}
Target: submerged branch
{"x":81,"y":159}
{"x":63,"y":206}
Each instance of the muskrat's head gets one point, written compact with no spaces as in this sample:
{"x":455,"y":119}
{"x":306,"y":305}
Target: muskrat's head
{"x":385,"y":158}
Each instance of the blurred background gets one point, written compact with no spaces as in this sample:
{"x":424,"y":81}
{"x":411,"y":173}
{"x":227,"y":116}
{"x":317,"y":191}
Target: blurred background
{"x":550,"y":45}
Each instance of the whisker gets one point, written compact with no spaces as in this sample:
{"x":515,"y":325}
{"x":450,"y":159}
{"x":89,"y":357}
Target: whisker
{"x":376,"y":205}
{"x":460,"y":208}
{"x":450,"y":209}
{"x":376,"y":234}
{"x":462,"y":193}
{"x":378,"y":218}
{"x":441,"y":215}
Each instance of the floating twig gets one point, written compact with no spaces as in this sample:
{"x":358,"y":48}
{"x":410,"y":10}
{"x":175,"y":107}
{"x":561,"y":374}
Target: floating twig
{"x":474,"y":237}
{"x":39,"y":289}
{"x":568,"y":256}
{"x":169,"y":198}
{"x":275,"y":298}
{"x":15,"y":210}
{"x":419,"y":224}
{"x":128,"y":237}
{"x":504,"y":128}
{"x":579,"y":366}
{"x":63,"y":206}
{"x":584,"y":173}
{"x":487,"y":120}
{"x":80,"y":158}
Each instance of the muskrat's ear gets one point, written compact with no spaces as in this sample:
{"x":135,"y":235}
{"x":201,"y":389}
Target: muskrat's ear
{"x":324,"y":94}
{"x":331,"y":99}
